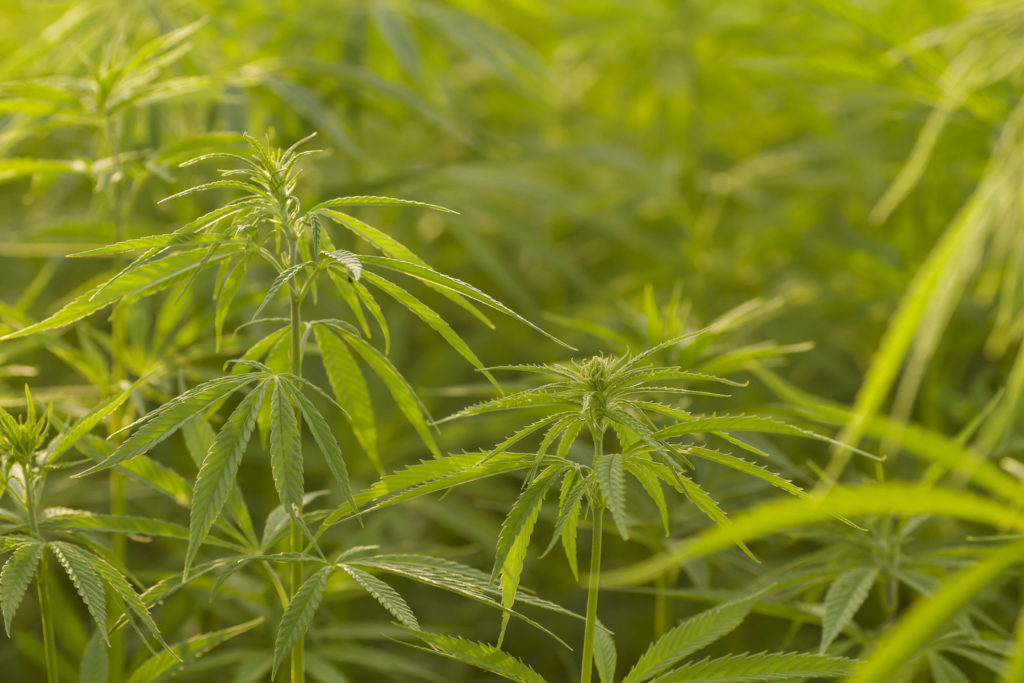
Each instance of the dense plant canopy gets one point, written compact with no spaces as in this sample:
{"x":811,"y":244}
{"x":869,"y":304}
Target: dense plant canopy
{"x":448,"y":340}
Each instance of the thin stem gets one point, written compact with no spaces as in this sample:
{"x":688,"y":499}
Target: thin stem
{"x":118,"y":372}
{"x":295,"y":539}
{"x":592,"y":590}
{"x":46,"y":614}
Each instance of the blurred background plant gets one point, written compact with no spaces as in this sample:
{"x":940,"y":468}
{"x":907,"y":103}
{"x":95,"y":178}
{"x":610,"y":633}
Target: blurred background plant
{"x":834,"y":186}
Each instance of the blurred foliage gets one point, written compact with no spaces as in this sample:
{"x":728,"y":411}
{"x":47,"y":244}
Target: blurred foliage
{"x":836,"y":185}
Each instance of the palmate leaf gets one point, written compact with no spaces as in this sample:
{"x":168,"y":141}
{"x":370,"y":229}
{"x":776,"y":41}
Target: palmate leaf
{"x":689,"y":636}
{"x":844,"y":597}
{"x":170,"y":417}
{"x":16,"y":576}
{"x":930,"y":614}
{"x":86,"y":581}
{"x":782,"y":666}
{"x":482,"y":656}
{"x":433,"y":319}
{"x":216,"y":478}
{"x":350,"y":390}
{"x":387,"y":596}
{"x":140,"y":282}
{"x":165,"y":664}
{"x":611,"y":480}
{"x":299,"y":614}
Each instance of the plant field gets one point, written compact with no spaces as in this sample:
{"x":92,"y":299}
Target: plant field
{"x":646,"y":341}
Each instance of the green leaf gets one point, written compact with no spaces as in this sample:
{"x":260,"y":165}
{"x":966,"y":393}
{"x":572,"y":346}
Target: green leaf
{"x":95,"y":664}
{"x":604,"y":655}
{"x":400,"y":390}
{"x":443,"y":283}
{"x":285,"y":450}
{"x":689,"y":636}
{"x":299,"y":614}
{"x":83,"y":425}
{"x":570,"y":498}
{"x":400,"y":37}
{"x":15,"y":577}
{"x":170,"y":417}
{"x":11,"y":169}
{"x":166,"y":664}
{"x":783,"y":666}
{"x":750,"y":468}
{"x":482,"y":656}
{"x":931,"y":613}
{"x":431,"y":317}
{"x":350,"y":390}
{"x":651,"y":485}
{"x":326,"y":442}
{"x":706,"y":504}
{"x":216,"y":478}
{"x":387,"y":596}
{"x":369,"y":200}
{"x":123,"y":590}
{"x":878,"y":499}
{"x":87,"y":582}
{"x":135,"y":284}
{"x":283,"y":278}
{"x":845,"y":596}
{"x":61,"y":519}
{"x":514,"y":538}
{"x":611,"y":480}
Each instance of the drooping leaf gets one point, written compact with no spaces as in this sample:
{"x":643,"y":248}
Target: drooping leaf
{"x":844,"y":597}
{"x":299,"y":614}
{"x":387,"y":596}
{"x":86,"y":581}
{"x":611,"y":479}
{"x":482,"y":656}
{"x":16,"y":576}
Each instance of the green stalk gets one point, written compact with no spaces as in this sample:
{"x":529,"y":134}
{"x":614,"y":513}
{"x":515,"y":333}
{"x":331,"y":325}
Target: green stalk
{"x":592,"y":589}
{"x":118,"y":373}
{"x":46,"y":614}
{"x":295,"y":540}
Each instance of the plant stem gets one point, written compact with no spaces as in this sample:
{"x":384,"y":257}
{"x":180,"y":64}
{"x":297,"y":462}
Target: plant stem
{"x":592,"y":589}
{"x":118,"y":373}
{"x":295,"y":540}
{"x":46,"y":614}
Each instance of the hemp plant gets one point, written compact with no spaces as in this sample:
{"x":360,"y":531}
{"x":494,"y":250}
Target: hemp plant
{"x":268,"y":226}
{"x":616,"y":405}
{"x":31,"y":532}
